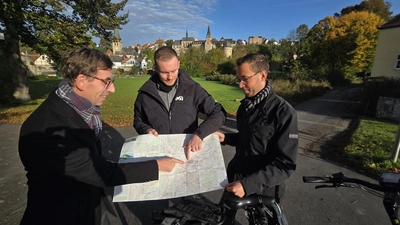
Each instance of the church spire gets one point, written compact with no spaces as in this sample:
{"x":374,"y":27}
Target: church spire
{"x":116,"y":34}
{"x":187,"y":33}
{"x":208,"y":32}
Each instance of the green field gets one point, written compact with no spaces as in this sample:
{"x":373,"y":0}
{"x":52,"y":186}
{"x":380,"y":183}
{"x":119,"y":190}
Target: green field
{"x":118,"y":108}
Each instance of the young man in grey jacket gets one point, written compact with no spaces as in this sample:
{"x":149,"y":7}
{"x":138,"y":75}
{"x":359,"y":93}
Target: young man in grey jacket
{"x":170,"y":101}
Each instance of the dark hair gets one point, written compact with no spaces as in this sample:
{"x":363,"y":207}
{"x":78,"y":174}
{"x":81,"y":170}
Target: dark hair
{"x":84,"y":61}
{"x":164,"y":53}
{"x":256,"y":61}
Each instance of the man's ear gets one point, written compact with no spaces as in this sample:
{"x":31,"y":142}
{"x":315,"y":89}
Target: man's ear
{"x":264,"y":74}
{"x":80,"y":81}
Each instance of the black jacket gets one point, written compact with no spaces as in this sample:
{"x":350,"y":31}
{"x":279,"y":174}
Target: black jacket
{"x":65,"y":169}
{"x":189,"y":100}
{"x":266,"y":146}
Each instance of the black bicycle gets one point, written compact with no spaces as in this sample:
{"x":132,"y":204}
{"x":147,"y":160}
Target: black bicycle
{"x":389,"y":185}
{"x":196,"y":211}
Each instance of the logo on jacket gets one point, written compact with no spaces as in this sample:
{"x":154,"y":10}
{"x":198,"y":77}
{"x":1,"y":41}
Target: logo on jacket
{"x":179,"y":98}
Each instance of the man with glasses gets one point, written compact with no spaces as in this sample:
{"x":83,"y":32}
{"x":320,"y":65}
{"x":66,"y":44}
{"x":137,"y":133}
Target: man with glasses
{"x":60,"y":148}
{"x":267,"y":138}
{"x":170,"y":101}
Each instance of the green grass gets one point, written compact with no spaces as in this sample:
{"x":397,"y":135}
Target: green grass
{"x":369,"y":149}
{"x":371,"y":145}
{"x":118,"y":109}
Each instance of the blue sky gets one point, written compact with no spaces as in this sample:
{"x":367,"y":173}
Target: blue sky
{"x":236,"y":19}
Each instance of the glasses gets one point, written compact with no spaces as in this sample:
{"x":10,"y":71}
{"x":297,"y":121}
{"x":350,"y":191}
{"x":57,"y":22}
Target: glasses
{"x":244,"y":79}
{"x":107,"y":82}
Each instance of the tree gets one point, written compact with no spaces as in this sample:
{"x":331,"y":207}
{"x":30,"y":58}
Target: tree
{"x":345,"y":45}
{"x":134,"y":70}
{"x":242,"y":50}
{"x":169,"y":42}
{"x":216,"y":56}
{"x":51,"y":27}
{"x":301,"y":32}
{"x":291,"y":36}
{"x":190,"y":61}
{"x":379,"y":7}
{"x":103,"y":43}
{"x":303,"y":45}
{"x":265,"y":50}
{"x":148,"y":54}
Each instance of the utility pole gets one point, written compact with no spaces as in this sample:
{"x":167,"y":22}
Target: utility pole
{"x":396,"y":148}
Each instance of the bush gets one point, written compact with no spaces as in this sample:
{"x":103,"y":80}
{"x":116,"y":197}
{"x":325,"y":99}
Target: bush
{"x":300,"y":90}
{"x":277,"y":75}
{"x":213,"y":78}
{"x":337,"y":78}
{"x":228,"y":79}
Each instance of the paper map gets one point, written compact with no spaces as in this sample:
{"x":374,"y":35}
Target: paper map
{"x":205,"y":171}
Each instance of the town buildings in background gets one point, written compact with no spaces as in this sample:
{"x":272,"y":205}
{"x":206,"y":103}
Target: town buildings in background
{"x":120,"y":53}
{"x":38,"y":64}
{"x":127,"y":57}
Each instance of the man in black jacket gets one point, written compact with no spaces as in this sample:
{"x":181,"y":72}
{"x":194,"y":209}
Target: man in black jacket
{"x":267,"y":138}
{"x":169,"y":103}
{"x":60,"y":148}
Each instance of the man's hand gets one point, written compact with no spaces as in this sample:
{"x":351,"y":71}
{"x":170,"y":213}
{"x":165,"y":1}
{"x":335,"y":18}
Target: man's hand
{"x":236,"y":188}
{"x":152,"y":131}
{"x":221,"y":136}
{"x":167,"y":164}
{"x":193,"y":145}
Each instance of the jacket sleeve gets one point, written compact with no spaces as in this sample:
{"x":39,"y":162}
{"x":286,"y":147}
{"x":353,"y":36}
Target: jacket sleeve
{"x":283,"y":163}
{"x":75,"y":153}
{"x":140,"y":121}
{"x":216,"y":114}
{"x":230,"y":139}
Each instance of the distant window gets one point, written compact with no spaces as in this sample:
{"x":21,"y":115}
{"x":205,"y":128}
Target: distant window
{"x":398,"y":63}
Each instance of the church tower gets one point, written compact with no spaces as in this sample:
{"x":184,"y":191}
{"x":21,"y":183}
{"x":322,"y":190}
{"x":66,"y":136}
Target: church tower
{"x":208,"y":45}
{"x":117,"y":45}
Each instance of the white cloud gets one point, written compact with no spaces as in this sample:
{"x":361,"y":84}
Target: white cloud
{"x":150,"y":20}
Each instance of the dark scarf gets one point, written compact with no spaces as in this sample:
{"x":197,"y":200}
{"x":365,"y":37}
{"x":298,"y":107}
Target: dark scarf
{"x":89,"y":113}
{"x":250,"y":103}
{"x":163,"y":87}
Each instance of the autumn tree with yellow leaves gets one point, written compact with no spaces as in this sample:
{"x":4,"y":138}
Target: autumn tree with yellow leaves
{"x":345,"y":46}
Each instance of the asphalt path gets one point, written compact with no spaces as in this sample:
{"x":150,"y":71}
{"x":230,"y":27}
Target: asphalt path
{"x":319,"y":120}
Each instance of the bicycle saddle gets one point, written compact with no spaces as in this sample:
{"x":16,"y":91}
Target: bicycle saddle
{"x":234,"y":202}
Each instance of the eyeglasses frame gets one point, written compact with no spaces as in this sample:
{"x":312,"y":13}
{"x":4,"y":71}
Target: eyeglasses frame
{"x":106,"y":82}
{"x":245,"y":79}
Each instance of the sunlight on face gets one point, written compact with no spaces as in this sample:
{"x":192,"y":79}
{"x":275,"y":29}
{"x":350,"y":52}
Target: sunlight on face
{"x":97,"y":90}
{"x":168,"y":71}
{"x":251,"y":82}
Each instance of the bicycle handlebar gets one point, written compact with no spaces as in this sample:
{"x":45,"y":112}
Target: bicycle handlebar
{"x":339,"y":180}
{"x":389,"y":184}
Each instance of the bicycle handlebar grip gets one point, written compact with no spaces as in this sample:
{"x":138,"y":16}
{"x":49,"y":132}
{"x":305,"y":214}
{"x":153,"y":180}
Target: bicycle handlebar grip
{"x":313,"y":179}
